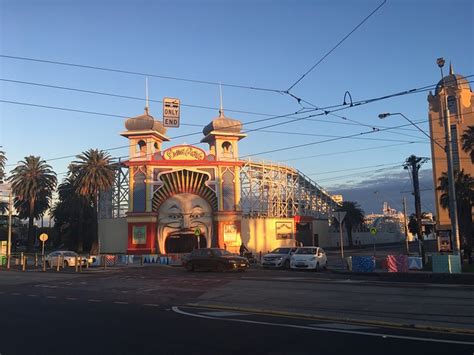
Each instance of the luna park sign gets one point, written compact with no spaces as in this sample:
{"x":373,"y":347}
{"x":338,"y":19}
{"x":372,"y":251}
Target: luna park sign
{"x":184,"y":152}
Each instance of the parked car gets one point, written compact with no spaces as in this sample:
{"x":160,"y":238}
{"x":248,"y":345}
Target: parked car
{"x":66,"y":258}
{"x":214,"y":259}
{"x":309,"y":258}
{"x":279,"y":258}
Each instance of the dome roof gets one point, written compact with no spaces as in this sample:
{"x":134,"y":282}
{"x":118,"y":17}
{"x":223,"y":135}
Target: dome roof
{"x":223,"y":124}
{"x":454,"y":81}
{"x":144,"y":122}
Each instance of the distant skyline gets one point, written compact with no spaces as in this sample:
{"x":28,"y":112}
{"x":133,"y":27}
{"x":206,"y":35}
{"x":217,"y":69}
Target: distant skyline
{"x":266,"y":44}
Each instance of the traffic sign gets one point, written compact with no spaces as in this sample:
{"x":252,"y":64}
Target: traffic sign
{"x":171,"y":111}
{"x":339,"y":215}
{"x":373,"y":230}
{"x":197,"y":232}
{"x":43,"y":237}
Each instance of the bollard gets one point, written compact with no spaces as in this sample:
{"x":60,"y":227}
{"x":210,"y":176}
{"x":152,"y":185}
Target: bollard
{"x":24,"y":263}
{"x":141,"y":259}
{"x":87,"y":263}
{"x":21,"y":258}
{"x":36,"y":260}
{"x":76,"y":264}
{"x":80,"y":265}
{"x":57,"y":266}
{"x":44,"y":263}
{"x":8,"y":261}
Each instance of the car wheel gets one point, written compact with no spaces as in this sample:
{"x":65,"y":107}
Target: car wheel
{"x":286,"y":265}
{"x":220,"y":267}
{"x":65,"y":264}
{"x":189,"y":267}
{"x":317,"y":267}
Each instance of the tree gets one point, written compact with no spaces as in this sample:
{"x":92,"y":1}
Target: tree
{"x":464,"y":186}
{"x":467,"y":140}
{"x":72,"y":214}
{"x":33,"y":182}
{"x":93,"y":174}
{"x":354,"y":217}
{"x":413,"y":225}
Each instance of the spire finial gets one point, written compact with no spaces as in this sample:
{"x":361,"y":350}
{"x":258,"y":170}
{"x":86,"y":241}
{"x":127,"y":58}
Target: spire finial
{"x":451,"y":70}
{"x":147,"y":105}
{"x":221,"y":108}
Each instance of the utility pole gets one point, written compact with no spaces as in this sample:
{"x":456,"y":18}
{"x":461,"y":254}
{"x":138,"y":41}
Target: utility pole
{"x":453,"y":212}
{"x":414,"y":163}
{"x":405,"y":224}
{"x":10,"y":212}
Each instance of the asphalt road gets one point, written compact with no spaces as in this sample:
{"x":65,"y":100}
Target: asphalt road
{"x":146,"y":310}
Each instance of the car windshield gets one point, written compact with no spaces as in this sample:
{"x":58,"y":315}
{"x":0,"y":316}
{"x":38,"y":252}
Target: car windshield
{"x":221,"y":252}
{"x":70,"y":253}
{"x":281,"y":251}
{"x":306,"y":251}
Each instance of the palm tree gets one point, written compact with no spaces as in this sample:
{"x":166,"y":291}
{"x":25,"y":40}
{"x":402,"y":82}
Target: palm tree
{"x":93,"y":174}
{"x":464,"y":186}
{"x":33,"y":182}
{"x":467,"y":140}
{"x":354,"y":217}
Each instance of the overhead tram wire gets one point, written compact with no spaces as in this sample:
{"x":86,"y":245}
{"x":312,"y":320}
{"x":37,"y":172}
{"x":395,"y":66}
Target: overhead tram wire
{"x":130,"y":72}
{"x":125,"y":96}
{"x":352,"y":169}
{"x":334,"y":47}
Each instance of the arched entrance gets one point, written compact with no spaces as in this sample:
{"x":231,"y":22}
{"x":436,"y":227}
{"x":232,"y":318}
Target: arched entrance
{"x":184,"y":243}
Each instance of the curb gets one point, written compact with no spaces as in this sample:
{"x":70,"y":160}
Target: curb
{"x":270,"y":312}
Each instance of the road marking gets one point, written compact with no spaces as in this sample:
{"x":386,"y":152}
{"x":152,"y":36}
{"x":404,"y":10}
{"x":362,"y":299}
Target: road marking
{"x":51,"y":297}
{"x":120,"y":302}
{"x":32,"y":295}
{"x":95,"y":300}
{"x":1,"y":292}
{"x":223,"y":314}
{"x":16,"y":294}
{"x":382,"y":335}
{"x":345,"y":326}
{"x":71,"y":298}
{"x":151,"y":305}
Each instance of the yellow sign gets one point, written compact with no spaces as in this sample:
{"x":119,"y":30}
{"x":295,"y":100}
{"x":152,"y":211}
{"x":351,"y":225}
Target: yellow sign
{"x":43,"y":237}
{"x":184,"y":152}
{"x":373,"y":231}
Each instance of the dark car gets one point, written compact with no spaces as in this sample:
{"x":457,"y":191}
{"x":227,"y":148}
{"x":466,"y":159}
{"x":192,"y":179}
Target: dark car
{"x":214,"y":259}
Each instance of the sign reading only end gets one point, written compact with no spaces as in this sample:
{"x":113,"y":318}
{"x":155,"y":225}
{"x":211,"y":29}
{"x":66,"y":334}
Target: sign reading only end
{"x":171,"y":112}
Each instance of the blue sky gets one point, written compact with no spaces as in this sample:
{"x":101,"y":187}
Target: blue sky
{"x":254,"y":43}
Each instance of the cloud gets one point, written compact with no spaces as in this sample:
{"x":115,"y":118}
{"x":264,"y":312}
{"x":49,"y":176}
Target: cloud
{"x":372,"y":192}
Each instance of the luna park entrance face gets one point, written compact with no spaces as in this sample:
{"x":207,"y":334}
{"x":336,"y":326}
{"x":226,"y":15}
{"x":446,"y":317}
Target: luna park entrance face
{"x":178,"y":219}
{"x":184,"y":243}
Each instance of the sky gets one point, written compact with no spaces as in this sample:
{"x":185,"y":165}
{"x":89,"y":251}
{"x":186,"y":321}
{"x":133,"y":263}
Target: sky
{"x":264,"y":44}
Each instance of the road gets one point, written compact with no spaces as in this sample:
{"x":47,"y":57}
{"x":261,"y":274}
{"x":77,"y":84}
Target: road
{"x":147,"y":310}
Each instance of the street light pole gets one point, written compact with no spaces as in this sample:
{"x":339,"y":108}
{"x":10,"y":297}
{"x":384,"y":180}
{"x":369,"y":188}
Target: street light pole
{"x":453,"y":213}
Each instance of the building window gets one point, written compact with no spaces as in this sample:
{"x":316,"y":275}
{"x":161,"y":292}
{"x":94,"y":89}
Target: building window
{"x":227,"y":150}
{"x":141,"y":148}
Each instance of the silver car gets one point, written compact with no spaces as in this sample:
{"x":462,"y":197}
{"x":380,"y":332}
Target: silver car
{"x":278,"y":258}
{"x":65,"y":258}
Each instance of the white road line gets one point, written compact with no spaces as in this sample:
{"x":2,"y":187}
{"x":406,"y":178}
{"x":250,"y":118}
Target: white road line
{"x":94,"y":300}
{"x":345,"y":326}
{"x":120,"y":302}
{"x":32,"y":295}
{"x":382,"y":335}
{"x":223,"y":314}
{"x":151,"y":305}
{"x":71,"y":298}
{"x":51,"y":297}
{"x":1,"y":292}
{"x":16,"y":294}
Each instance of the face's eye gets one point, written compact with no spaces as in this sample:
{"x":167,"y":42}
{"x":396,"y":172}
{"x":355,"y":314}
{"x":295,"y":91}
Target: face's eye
{"x":196,"y":215}
{"x":174,"y":216}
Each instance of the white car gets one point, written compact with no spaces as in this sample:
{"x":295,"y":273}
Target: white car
{"x":66,"y":258}
{"x":312,"y":258}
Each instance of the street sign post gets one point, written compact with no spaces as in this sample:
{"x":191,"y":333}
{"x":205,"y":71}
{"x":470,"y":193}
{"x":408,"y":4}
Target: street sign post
{"x":197,"y":233}
{"x":340,"y":215}
{"x":171,"y":112}
{"x":43,"y":238}
{"x":373,"y":231}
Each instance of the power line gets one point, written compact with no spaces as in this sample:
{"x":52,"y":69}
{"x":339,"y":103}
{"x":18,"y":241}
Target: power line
{"x":351,"y":169}
{"x":336,"y":46}
{"x":151,"y":75}
{"x":124,"y":96}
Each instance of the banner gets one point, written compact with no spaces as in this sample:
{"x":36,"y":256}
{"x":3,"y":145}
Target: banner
{"x":397,"y":263}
